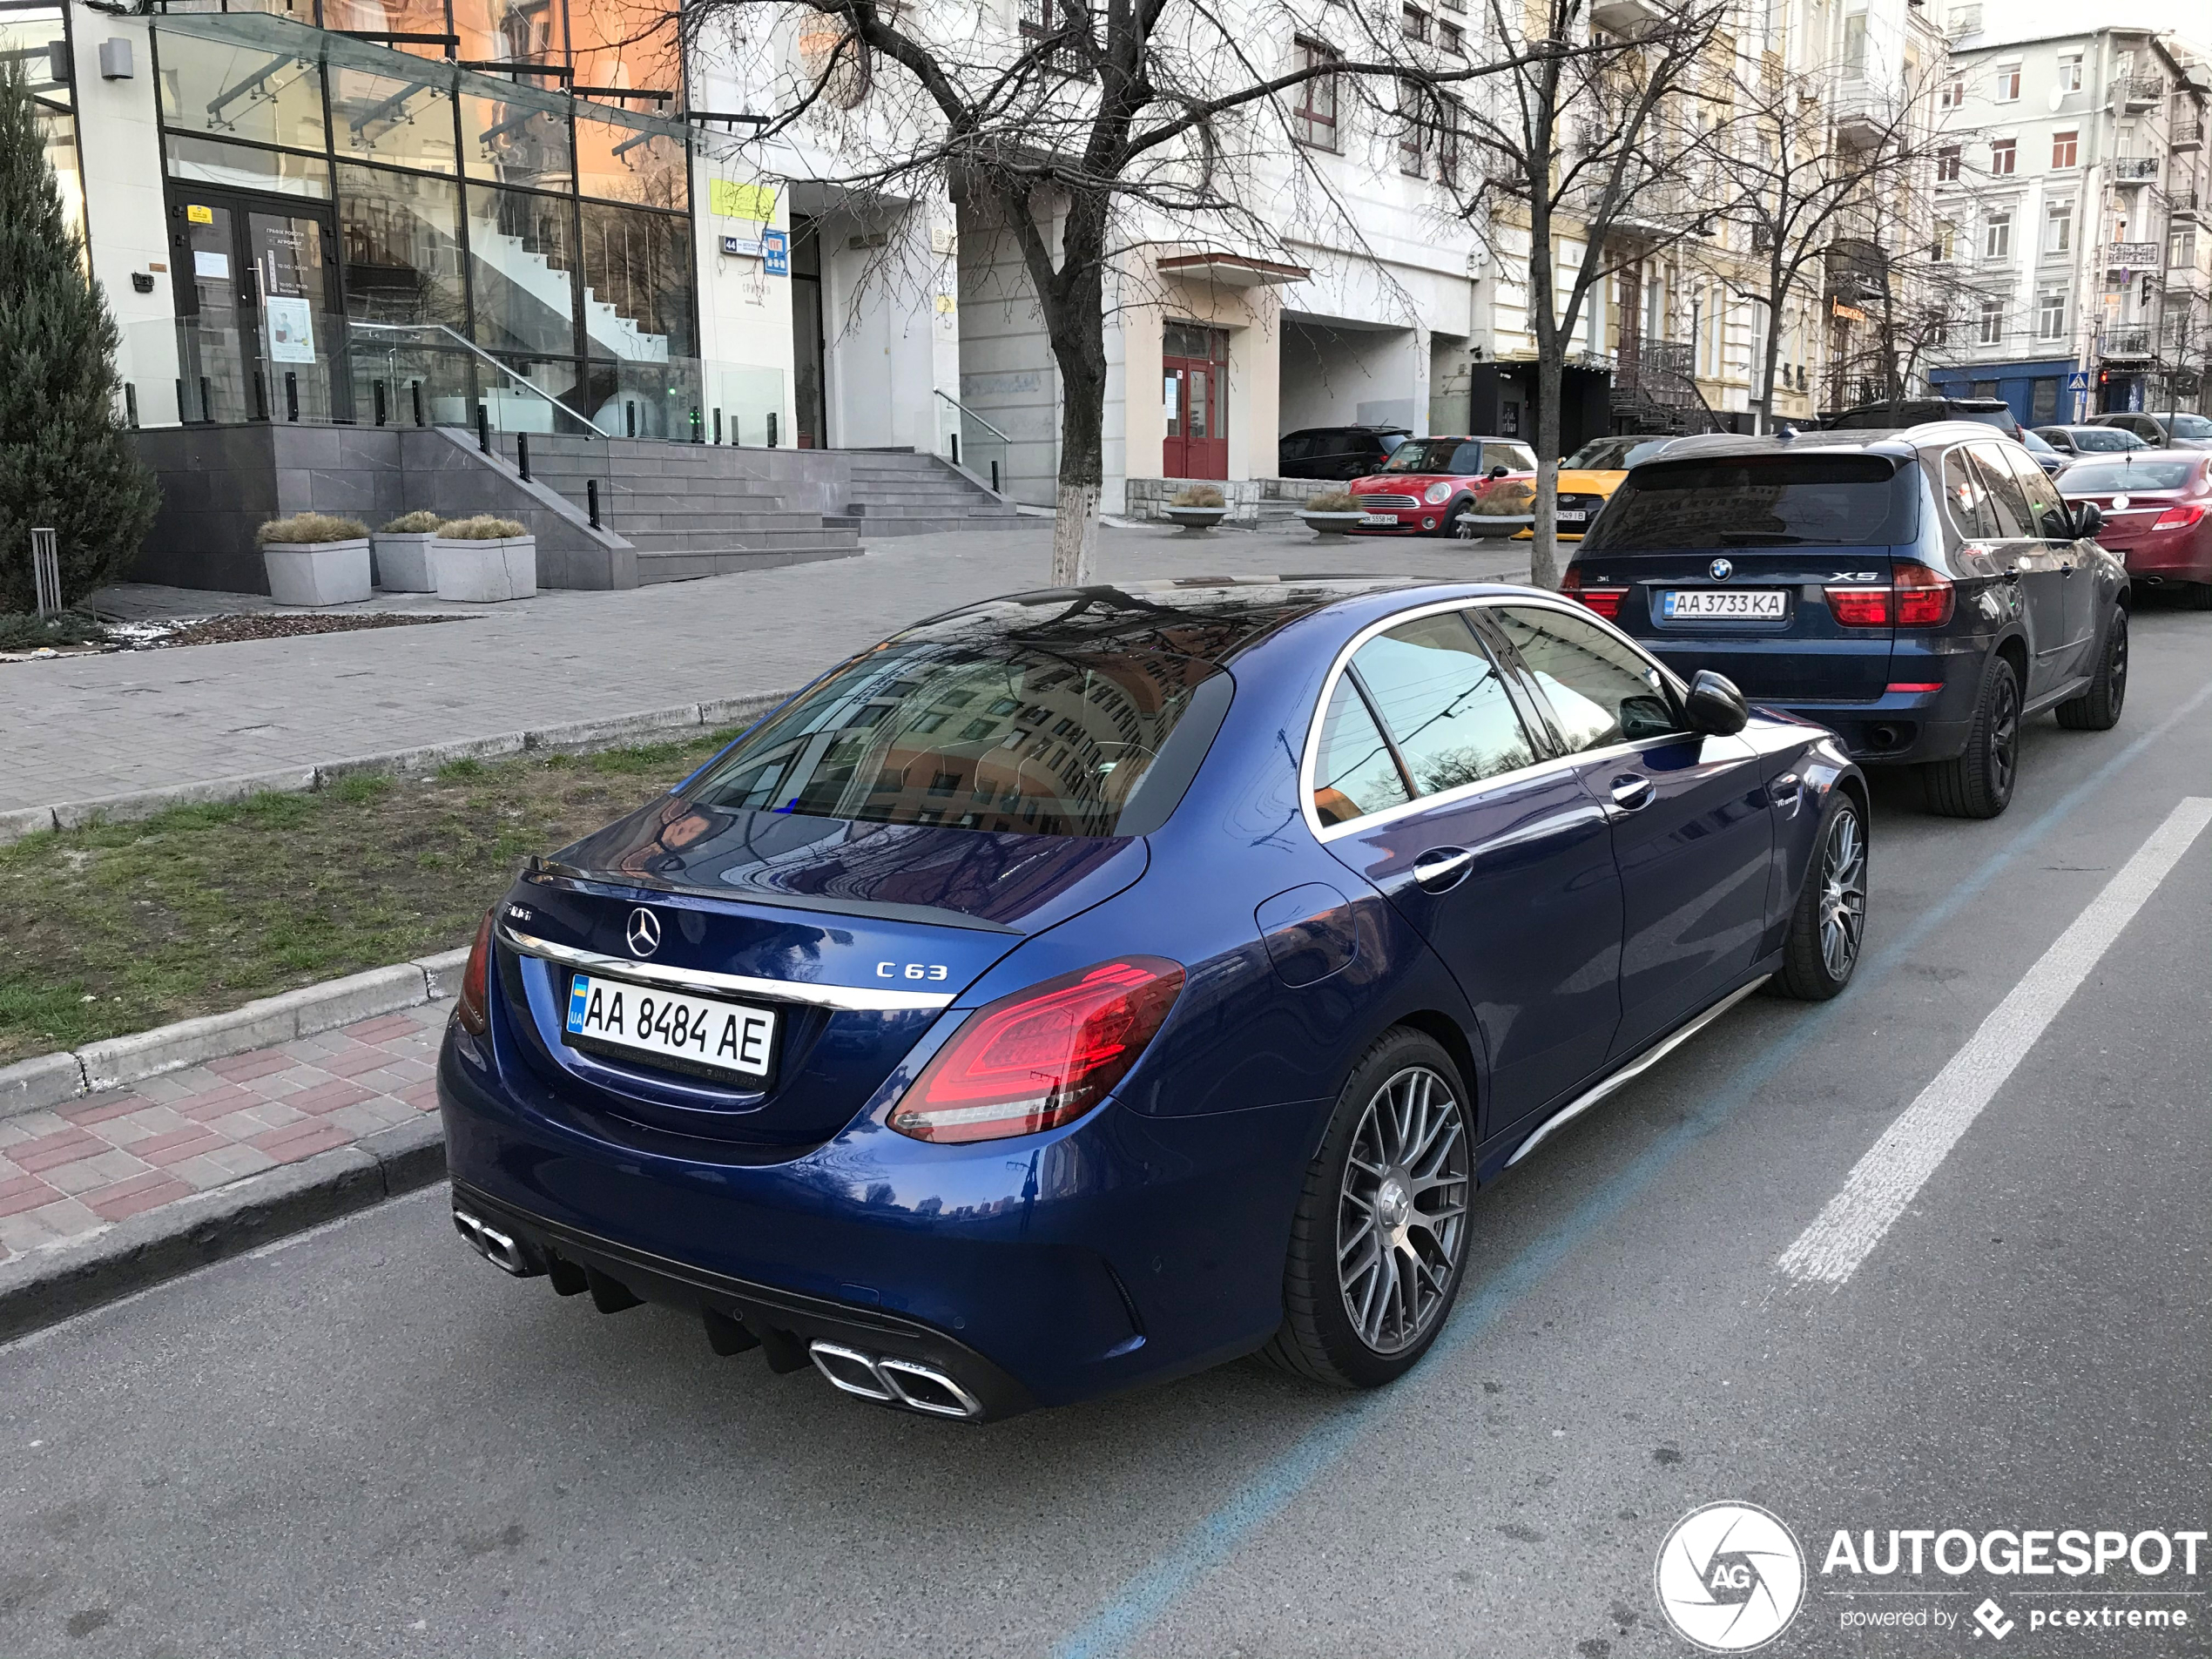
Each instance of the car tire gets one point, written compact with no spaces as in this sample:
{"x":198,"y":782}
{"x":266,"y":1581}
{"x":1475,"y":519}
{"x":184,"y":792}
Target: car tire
{"x":1978,"y":781}
{"x":2098,"y":708}
{"x":1828,"y":923}
{"x":1339,"y":1325}
{"x":1459,"y":521}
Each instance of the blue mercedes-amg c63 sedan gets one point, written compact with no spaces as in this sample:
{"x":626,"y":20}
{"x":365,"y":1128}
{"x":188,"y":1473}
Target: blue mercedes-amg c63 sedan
{"x":1086,"y":987}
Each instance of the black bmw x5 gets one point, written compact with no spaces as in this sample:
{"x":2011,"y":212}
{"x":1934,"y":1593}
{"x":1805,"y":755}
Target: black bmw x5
{"x":1919,"y":593}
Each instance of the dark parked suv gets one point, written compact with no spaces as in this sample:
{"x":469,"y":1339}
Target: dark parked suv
{"x":1919,"y":593}
{"x":1346,"y":452}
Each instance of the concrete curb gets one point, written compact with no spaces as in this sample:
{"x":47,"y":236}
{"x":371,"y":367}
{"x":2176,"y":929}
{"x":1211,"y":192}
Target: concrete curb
{"x":51,"y":1080}
{"x":577,"y":735}
{"x":41,"y":1286}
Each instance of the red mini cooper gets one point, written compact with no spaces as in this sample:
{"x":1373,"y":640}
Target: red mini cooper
{"x":1429,"y":485}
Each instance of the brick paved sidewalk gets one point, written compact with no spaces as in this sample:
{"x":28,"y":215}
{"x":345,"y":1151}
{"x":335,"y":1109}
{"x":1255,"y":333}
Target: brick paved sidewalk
{"x":68,"y":1173}
{"x":81,"y":728}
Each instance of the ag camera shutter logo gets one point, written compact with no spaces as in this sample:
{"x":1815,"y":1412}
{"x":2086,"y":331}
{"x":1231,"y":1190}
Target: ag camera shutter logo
{"x":1731,"y":1577}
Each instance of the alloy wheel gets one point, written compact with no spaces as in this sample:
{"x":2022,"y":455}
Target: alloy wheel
{"x":2117,"y":654}
{"x":1842,"y":894}
{"x":2003,"y":739}
{"x":1401,"y":1211}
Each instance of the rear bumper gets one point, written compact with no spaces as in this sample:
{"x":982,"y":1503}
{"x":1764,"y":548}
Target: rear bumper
{"x":2167,"y":558}
{"x":1898,"y":728}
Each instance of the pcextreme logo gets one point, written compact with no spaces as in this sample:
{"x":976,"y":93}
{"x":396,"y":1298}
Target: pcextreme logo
{"x":1731,"y":1577}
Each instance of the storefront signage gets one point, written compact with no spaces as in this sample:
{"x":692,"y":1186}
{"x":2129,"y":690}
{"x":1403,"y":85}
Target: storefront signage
{"x":775,"y":247}
{"x":200,"y":215}
{"x":725,"y":198}
{"x":1850,"y":312}
{"x":292,"y":329}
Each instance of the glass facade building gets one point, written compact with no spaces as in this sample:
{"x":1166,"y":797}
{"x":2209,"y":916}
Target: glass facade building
{"x":397,"y":211}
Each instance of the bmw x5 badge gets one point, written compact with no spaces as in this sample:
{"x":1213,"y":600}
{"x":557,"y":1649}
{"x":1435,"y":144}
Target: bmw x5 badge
{"x":645,"y":932}
{"x":1721,"y":570}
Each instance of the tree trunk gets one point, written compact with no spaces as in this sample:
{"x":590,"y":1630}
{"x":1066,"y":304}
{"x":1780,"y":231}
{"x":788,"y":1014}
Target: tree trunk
{"x":1083,"y":451}
{"x":1074,"y":534}
{"x":1551,"y":377}
{"x":1777,"y":296}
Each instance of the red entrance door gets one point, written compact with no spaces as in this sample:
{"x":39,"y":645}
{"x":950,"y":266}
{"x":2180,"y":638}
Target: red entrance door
{"x":1194,"y":365}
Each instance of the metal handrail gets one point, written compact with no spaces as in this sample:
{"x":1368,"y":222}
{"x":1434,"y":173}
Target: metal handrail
{"x":475,"y":350}
{"x":972,"y":416}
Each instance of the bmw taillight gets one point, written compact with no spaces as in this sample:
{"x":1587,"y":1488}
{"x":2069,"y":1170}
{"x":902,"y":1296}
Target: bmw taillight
{"x":1924,"y":597}
{"x":1606,"y":601}
{"x":2180,"y":518}
{"x":1859,"y":607}
{"x":1042,"y":1056}
{"x":473,"y":1007}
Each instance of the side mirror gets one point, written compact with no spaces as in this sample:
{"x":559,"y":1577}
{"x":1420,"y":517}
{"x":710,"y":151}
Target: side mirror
{"x":2088,"y":518}
{"x":1497,"y":472}
{"x":1714,"y":706}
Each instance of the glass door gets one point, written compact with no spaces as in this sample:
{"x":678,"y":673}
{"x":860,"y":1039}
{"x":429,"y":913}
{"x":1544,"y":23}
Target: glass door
{"x":1194,"y":367}
{"x":258,"y":323}
{"x":298,"y":327}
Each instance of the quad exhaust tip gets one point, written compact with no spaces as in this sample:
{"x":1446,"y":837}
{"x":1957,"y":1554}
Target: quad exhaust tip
{"x":495,"y":1246}
{"x":894,"y":1382}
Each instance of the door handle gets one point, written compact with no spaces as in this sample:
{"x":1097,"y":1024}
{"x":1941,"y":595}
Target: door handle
{"x":1632,"y":794}
{"x":1442,"y":868}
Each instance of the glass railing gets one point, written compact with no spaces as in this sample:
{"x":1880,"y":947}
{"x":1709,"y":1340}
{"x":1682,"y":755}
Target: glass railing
{"x":975,"y":445}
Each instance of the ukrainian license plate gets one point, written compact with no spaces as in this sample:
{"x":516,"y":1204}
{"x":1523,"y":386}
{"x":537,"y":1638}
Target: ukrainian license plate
{"x":1390,"y":519}
{"x":1748,"y":605}
{"x":1572,"y":515}
{"x":697,"y":1031}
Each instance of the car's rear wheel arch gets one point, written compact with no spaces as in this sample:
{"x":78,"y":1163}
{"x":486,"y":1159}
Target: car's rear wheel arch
{"x":1448,"y":1034}
{"x":2014,"y":649}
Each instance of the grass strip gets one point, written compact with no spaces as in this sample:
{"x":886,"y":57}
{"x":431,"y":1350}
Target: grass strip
{"x":114,"y":928}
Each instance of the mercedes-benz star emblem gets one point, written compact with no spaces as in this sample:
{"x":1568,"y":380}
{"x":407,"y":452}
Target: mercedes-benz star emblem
{"x":645,"y":932}
{"x":1721,"y":570}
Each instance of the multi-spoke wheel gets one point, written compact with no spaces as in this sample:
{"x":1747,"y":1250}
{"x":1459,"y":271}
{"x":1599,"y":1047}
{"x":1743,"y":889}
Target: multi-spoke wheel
{"x":1828,"y":925}
{"x":1978,"y":781}
{"x":1379,"y":1239}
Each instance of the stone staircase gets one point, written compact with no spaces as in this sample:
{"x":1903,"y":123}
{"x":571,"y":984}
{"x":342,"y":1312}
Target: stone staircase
{"x":694,"y":509}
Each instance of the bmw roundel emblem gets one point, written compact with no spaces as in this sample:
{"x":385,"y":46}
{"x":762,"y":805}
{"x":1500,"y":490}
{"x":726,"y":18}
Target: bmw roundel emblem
{"x":1721,"y":570}
{"x":645,"y":932}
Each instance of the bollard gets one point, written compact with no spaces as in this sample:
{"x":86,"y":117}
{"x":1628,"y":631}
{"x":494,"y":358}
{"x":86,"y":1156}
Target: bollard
{"x":591,"y":500}
{"x":717,"y":426}
{"x":291,"y":397}
{"x":522,"y":454}
{"x":995,"y":478}
{"x":771,"y":430}
{"x":955,"y":448}
{"x":483,"y":428}
{"x":131,"y":404}
{"x":380,"y":402}
{"x":46,"y":571}
{"x":629,"y":419}
{"x":416,"y":387}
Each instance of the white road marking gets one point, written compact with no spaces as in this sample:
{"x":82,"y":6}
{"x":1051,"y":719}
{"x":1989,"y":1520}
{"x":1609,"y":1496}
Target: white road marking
{"x":1894,"y":1169}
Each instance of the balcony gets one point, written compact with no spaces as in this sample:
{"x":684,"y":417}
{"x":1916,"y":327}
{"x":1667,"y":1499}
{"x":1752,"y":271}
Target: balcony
{"x":2141,"y":91}
{"x":2187,"y":138}
{"x":2124,"y":259}
{"x":1627,"y":17}
{"x":2125,"y":342}
{"x":2134,"y":170}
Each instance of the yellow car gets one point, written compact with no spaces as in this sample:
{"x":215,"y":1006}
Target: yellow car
{"x":1588,"y":477}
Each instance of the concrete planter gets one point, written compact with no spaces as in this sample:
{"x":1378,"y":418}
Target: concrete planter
{"x":1485,"y":527}
{"x":1195,"y":518}
{"x":484,"y":572}
{"x":317,"y":573}
{"x":403,"y":562}
{"x":1330,"y":526}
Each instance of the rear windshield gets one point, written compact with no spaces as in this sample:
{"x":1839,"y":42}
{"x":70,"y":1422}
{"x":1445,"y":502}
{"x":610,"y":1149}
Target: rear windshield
{"x":2189,"y":425}
{"x":978,"y":731}
{"x":1758,"y":501}
{"x":1879,"y":417}
{"x":2102,"y":477}
{"x":2106,"y":438}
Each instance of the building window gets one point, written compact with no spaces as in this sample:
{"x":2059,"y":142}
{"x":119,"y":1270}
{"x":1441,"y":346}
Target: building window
{"x":2004,"y":156}
{"x":1855,"y":44}
{"x":2066,"y":147}
{"x":2043,"y":401}
{"x":1947,"y":164}
{"x":1313,"y":117}
{"x":2070,"y":72}
{"x":1953,"y":94}
{"x":2058,"y":228}
{"x":1447,"y":142}
{"x":2008,"y":83}
{"x":1997,"y":240}
{"x":1451,"y":37}
{"x":1414,"y":25}
{"x":1993,"y":325}
{"x":1412,"y":131}
{"x":2050,"y":314}
{"x":1945,"y":247}
{"x":2180,"y":247}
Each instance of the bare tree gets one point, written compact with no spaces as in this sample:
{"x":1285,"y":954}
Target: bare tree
{"x":1585,"y":133}
{"x":1078,"y":131}
{"x":1803,"y":184}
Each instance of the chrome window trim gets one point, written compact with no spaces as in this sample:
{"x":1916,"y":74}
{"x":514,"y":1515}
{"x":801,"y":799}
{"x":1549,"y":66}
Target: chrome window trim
{"x":844,"y":997}
{"x":1534,"y":599}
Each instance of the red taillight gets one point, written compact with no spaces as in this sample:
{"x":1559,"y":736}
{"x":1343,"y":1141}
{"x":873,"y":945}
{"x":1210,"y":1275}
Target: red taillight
{"x":1859,"y":607}
{"x":1041,"y":1057}
{"x":1924,"y":597}
{"x":473,"y":1007}
{"x":2180,"y":518}
{"x":1606,"y":601}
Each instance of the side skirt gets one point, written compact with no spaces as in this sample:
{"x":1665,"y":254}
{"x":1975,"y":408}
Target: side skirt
{"x":1634,"y":1069}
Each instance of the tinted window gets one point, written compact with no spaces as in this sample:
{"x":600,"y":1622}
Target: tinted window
{"x":2005,"y":499}
{"x":2190,"y":426}
{"x":1442,"y":699}
{"x":1601,"y":690}
{"x":2107,"y":439}
{"x":2046,"y":513}
{"x":1965,"y":498}
{"x":1758,"y":501}
{"x":1296,"y":449}
{"x":1514,"y":456}
{"x":2105,"y":477}
{"x":1436,"y":455}
{"x":976,"y":730}
{"x":1354,"y":774}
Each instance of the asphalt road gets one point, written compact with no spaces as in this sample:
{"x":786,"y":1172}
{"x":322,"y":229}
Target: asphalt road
{"x":367,"y":1442}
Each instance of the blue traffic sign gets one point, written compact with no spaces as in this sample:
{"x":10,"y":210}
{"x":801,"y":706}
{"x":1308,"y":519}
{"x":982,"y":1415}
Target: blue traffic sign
{"x":2078,"y":381}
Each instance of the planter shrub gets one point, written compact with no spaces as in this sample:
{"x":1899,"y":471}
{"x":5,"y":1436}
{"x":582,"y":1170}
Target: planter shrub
{"x":483,"y":561}
{"x":315,"y":559}
{"x":402,"y":553}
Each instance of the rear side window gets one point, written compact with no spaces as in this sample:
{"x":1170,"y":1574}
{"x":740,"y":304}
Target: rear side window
{"x":1755,"y":501}
{"x":1444,"y":702}
{"x":2045,"y":512}
{"x":1355,"y":774}
{"x":1601,"y":690}
{"x":971,"y":729}
{"x":2004,"y":504}
{"x":1296,"y":449}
